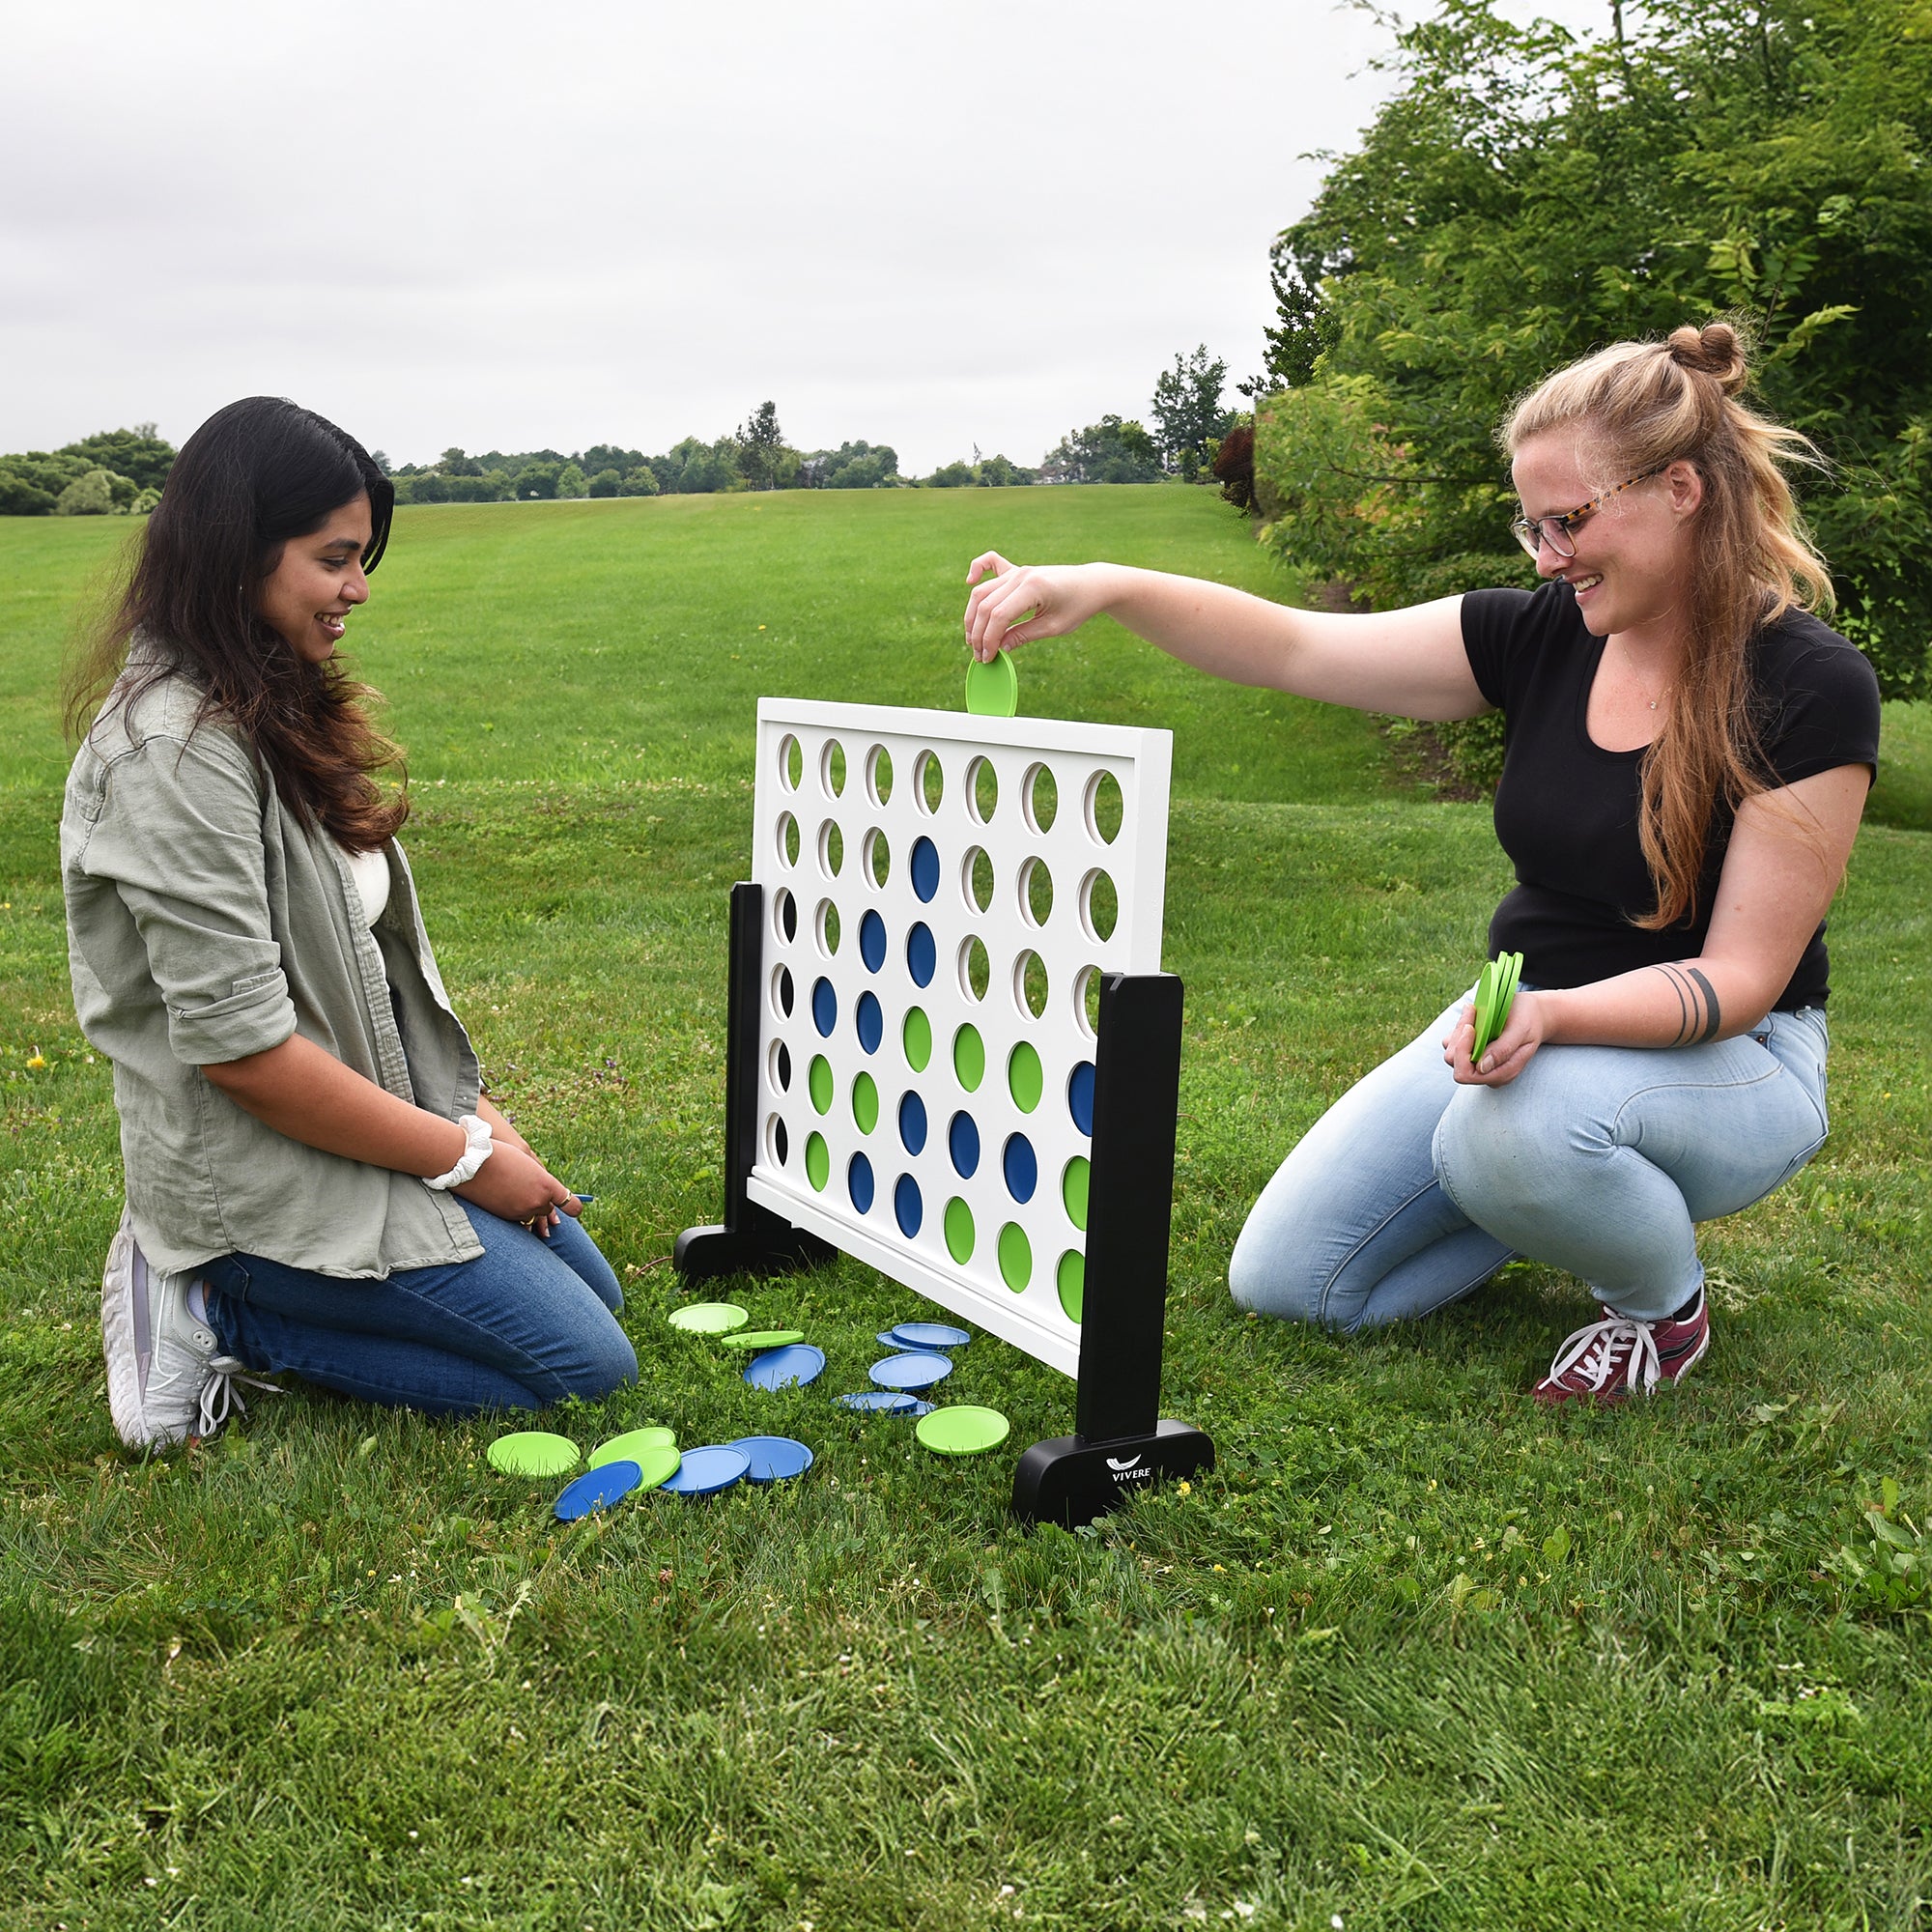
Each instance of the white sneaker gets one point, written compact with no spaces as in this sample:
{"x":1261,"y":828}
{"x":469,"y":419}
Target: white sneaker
{"x":165,"y":1380}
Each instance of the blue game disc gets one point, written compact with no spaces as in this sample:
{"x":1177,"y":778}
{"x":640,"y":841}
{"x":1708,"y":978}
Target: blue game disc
{"x":916,"y":1409}
{"x":911,"y":1372}
{"x":774,"y":1458}
{"x":927,"y":1335}
{"x":786,"y":1368}
{"x":706,"y":1471}
{"x":604,"y":1485}
{"x":888,"y":1338}
{"x":888,"y":1400}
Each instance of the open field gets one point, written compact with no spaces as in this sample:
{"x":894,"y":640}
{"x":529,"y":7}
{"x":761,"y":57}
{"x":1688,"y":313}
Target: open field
{"x":1415,"y":1657}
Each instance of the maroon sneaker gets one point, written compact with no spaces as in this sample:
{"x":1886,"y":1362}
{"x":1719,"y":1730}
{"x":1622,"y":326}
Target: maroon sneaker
{"x":1618,"y":1357}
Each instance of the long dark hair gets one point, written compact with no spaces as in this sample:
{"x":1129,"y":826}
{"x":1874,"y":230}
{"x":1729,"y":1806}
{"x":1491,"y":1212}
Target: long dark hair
{"x":254,"y":476}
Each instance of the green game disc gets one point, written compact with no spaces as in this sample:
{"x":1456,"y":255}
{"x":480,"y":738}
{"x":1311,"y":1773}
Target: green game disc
{"x":632,"y":1446}
{"x":654,"y":1466}
{"x":533,"y":1452}
{"x":1496,"y":990}
{"x":993,"y":689}
{"x":709,"y":1318}
{"x":962,"y":1429}
{"x":762,"y":1338}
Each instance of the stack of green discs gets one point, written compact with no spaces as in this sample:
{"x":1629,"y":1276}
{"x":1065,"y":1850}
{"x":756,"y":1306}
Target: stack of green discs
{"x":1494,"y":991}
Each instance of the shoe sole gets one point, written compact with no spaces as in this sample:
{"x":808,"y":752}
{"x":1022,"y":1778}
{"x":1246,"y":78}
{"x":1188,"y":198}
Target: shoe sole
{"x":119,"y":1339}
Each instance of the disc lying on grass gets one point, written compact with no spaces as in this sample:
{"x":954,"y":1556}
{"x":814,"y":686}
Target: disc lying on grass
{"x":928,"y":1335}
{"x":706,"y":1471}
{"x":889,"y":1402}
{"x":756,"y":1339}
{"x":911,"y":1372}
{"x":773,"y":1458}
{"x":786,"y":1368}
{"x":598,"y":1489}
{"x":709,"y":1318}
{"x":962,"y":1429}
{"x":533,"y":1452}
{"x":632,"y":1445}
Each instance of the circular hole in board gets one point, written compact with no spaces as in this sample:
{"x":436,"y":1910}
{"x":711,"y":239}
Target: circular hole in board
{"x":1030,"y":985}
{"x":831,"y":848}
{"x":824,"y":1007}
{"x":1025,"y":1082}
{"x":982,"y":790}
{"x":1087,"y":1001}
{"x":1019,"y":1167}
{"x":969,"y":1058}
{"x":872,"y":941}
{"x":1080,"y":1097}
{"x":976,"y":969}
{"x":779,"y":1060}
{"x":907,"y":1207}
{"x":782,"y":992}
{"x":1099,"y":907}
{"x":925,"y":867}
{"x":976,"y":879}
{"x":818,"y":1083}
{"x":785,"y":916}
{"x":1015,"y":1257}
{"x":1035,"y":893}
{"x":817,"y":1161}
{"x":1074,"y":1179}
{"x":865,"y":1105}
{"x":878,"y":858}
{"x":791,"y":762}
{"x":1039,"y":798}
{"x":872,"y":1022}
{"x":1070,"y":1280}
{"x":787,"y":837}
{"x":859,"y":1182}
{"x":828,"y":928}
{"x":778,"y":1142}
{"x":960,"y":1231}
{"x":962,"y":1142}
{"x":915,"y":1036}
{"x":911,"y":1123}
{"x":921,"y":954}
{"x":831,"y":768}
{"x":879,"y":775}
{"x":1105,"y":807}
{"x":929,"y":783}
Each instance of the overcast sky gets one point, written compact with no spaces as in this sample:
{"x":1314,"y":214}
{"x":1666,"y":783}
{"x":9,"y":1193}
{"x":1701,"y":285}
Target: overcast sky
{"x":506,"y":226}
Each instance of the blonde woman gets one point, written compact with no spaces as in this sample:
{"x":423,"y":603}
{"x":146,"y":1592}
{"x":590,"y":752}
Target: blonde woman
{"x":1688,"y":750}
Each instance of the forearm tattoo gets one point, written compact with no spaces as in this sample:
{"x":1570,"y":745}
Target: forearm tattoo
{"x":1700,"y":1015}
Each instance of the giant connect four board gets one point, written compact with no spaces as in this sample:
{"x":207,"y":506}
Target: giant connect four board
{"x":942,"y":895}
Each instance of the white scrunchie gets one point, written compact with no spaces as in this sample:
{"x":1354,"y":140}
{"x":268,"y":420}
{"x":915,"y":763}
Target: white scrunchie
{"x":476,"y":1132}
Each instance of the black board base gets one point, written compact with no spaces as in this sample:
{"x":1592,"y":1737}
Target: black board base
{"x":704,"y":1254}
{"x":1069,"y":1481}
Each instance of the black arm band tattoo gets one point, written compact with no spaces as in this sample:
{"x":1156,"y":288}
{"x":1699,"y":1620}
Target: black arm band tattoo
{"x":1685,"y":1013}
{"x":1711,"y":999}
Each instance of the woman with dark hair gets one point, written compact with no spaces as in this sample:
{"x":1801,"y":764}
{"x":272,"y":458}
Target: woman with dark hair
{"x":1688,"y":754}
{"x":314,"y":1179}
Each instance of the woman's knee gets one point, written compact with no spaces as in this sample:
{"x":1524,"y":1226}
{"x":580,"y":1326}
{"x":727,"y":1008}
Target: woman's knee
{"x":599,"y":1359}
{"x":1498,"y":1153}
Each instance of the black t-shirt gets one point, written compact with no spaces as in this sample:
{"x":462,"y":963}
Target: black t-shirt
{"x":1565,"y":810}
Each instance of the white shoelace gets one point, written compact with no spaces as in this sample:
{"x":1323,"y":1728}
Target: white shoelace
{"x":220,"y":1397}
{"x":1596,"y":1349}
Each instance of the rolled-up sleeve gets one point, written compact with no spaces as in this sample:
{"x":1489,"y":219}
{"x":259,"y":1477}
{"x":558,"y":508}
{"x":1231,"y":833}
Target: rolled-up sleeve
{"x":178,"y":835}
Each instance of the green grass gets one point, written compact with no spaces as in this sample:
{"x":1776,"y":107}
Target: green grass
{"x":1416,"y":1655}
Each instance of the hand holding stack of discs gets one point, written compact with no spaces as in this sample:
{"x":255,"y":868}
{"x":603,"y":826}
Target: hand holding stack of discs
{"x":645,"y":1460}
{"x":1495,"y":989}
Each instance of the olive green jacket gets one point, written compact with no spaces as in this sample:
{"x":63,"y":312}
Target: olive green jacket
{"x":205,"y":924}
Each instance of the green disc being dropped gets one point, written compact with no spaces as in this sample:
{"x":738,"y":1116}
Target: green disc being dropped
{"x":761,"y":1337}
{"x":993,"y":689}
{"x":632,"y":1447}
{"x":962,"y":1429}
{"x":533,"y":1452}
{"x":709,"y":1318}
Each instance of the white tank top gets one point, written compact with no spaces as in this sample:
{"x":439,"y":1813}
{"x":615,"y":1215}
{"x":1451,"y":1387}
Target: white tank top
{"x":371,"y":872}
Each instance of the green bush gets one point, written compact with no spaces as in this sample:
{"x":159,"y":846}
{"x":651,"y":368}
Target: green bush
{"x":99,"y":493}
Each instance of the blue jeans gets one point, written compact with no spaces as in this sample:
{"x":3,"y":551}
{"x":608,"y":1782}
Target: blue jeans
{"x":1410,"y":1190}
{"x":529,"y":1323}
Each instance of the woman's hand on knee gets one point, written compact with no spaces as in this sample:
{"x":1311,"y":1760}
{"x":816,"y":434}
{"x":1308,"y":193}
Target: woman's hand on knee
{"x":1509,"y":1053}
{"x":514,"y":1185}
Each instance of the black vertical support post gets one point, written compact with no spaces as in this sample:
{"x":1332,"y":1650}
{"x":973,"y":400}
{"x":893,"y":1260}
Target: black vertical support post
{"x":1121,"y":1445}
{"x":751,"y":1239}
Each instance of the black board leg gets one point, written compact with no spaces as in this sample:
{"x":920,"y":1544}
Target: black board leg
{"x":751,"y":1239}
{"x":1120,"y":1443}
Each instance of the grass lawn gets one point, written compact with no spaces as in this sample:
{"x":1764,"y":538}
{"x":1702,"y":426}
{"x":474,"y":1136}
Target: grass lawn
{"x":1417,"y":1656}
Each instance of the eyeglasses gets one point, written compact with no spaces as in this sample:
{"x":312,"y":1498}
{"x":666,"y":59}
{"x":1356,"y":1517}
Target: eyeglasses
{"x":1533,"y":533}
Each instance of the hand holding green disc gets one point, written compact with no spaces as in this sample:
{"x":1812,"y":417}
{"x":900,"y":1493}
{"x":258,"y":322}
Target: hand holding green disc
{"x":1495,"y":991}
{"x":993,"y":689}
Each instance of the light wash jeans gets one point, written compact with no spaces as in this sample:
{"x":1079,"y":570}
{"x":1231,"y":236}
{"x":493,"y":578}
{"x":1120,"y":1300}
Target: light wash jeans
{"x":1410,"y":1190}
{"x":531,"y":1321}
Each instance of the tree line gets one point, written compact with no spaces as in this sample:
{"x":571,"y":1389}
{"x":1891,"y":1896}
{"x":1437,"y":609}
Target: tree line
{"x":119,"y":471}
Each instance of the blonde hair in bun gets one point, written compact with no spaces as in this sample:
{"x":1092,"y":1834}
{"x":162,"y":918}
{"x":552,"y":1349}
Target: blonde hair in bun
{"x":1639,"y":406}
